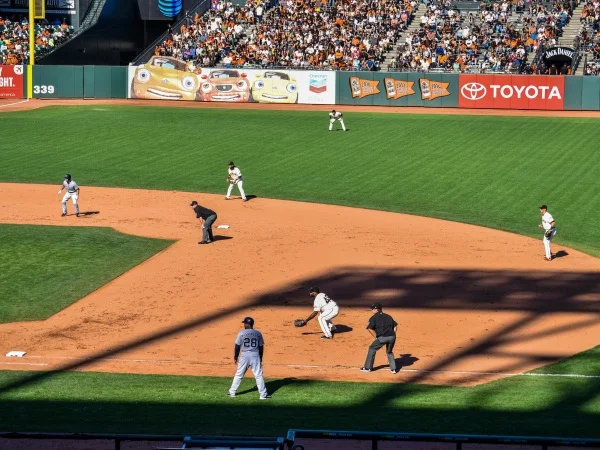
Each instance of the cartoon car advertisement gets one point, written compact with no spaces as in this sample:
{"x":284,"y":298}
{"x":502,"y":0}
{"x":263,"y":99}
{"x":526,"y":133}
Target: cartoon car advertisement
{"x":274,"y":87}
{"x":168,"y":78}
{"x":224,"y":85}
{"x":165,"y":78}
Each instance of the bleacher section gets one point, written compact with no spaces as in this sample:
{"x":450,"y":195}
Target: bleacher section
{"x":14,"y":38}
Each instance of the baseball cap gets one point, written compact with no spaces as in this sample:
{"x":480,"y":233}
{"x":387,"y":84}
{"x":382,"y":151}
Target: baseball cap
{"x":376,"y":306}
{"x":314,"y":289}
{"x":248,"y":321}
{"x":543,"y":207}
{"x":194,"y":203}
{"x":68,"y":176}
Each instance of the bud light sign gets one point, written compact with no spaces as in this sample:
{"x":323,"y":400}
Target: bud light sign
{"x":169,"y":8}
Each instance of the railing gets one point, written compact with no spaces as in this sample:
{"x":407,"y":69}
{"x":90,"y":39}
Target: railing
{"x":294,"y":438}
{"x":201,"y":7}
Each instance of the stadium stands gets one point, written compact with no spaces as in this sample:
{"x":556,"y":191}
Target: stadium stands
{"x":14,"y":38}
{"x":333,"y":34}
{"x":497,"y":38}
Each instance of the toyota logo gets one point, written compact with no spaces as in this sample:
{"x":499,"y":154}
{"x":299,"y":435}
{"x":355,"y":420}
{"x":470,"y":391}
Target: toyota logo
{"x":473,"y":91}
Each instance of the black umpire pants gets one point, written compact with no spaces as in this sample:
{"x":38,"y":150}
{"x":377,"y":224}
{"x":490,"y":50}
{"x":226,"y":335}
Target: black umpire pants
{"x":389,"y":342}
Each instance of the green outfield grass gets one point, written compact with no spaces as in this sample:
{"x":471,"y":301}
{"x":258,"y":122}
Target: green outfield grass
{"x":116,"y":403}
{"x":491,"y":171}
{"x":44,"y":269}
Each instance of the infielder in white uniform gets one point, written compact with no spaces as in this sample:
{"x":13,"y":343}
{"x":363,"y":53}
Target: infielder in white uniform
{"x":235,"y":179}
{"x":72,"y":193}
{"x":251,"y":344}
{"x":336,"y":115}
{"x":327,"y":310}
{"x":549,"y":226}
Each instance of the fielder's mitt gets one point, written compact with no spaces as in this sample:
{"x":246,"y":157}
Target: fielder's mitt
{"x":548,"y":233}
{"x":299,"y":323}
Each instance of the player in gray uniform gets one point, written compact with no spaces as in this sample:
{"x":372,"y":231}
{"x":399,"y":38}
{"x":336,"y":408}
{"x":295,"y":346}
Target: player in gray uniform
{"x":250,"y":343}
{"x":72,"y":193}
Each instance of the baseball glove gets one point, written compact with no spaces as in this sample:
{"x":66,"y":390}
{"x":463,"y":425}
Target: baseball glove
{"x":548,"y":233}
{"x":299,"y":323}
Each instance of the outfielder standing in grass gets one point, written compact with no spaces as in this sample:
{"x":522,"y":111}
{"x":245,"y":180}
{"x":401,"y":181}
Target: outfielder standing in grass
{"x":336,"y":115}
{"x":250,"y":344}
{"x":549,"y":226}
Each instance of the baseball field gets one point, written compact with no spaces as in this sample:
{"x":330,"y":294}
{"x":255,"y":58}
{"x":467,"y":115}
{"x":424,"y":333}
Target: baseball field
{"x":129,"y":325}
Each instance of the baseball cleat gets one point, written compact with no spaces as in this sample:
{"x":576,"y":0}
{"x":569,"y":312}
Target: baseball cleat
{"x":266,"y":397}
{"x":227,"y":198}
{"x":244,"y":199}
{"x":203,"y":242}
{"x":394,"y":371}
{"x":364,"y":369}
{"x":229,"y":394}
{"x":77,"y":215}
{"x":63,"y":214}
{"x":326,"y":337}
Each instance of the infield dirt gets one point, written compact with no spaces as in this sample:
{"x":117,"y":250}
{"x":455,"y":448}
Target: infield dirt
{"x":474,"y":304}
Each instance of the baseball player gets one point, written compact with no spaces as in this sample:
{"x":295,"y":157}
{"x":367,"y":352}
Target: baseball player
{"x":251,"y":344}
{"x":549,"y":226}
{"x":336,"y":115}
{"x":72,"y":193}
{"x":327,"y":310}
{"x":235,"y":179}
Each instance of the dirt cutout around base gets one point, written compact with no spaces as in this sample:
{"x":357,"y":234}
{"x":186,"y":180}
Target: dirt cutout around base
{"x":473,"y":304}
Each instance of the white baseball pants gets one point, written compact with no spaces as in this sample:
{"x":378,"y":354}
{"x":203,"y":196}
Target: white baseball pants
{"x":325,"y":320}
{"x":331,"y":121}
{"x":74,"y":197}
{"x":547,"y":244}
{"x":252,"y":360}
{"x":240,"y":186}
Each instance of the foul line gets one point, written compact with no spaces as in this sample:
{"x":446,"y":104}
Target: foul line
{"x":306,"y":366}
{"x":17,"y":103}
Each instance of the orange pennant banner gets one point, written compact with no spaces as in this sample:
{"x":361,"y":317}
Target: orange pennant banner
{"x":430,"y":90}
{"x":362,"y":88}
{"x":395,"y":89}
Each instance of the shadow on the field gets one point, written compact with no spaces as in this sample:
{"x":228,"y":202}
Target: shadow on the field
{"x":560,"y":254}
{"x":530,"y":298}
{"x":89,"y":213}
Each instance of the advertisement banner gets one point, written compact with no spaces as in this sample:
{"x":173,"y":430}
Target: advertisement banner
{"x":166,"y":78}
{"x":511,"y":92}
{"x":11,"y":81}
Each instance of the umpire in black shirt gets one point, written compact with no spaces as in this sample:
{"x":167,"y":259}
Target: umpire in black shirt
{"x":383,"y":328}
{"x":208,"y":217}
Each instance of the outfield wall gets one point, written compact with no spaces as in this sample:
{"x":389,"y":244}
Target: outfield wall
{"x":170,"y":79}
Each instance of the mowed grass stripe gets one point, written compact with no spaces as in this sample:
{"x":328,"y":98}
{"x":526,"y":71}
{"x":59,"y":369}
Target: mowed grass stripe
{"x":47,"y":268}
{"x":491,"y":171}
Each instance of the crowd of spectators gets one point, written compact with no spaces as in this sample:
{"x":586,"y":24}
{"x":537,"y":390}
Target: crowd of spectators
{"x":14,"y":38}
{"x":330,"y":34}
{"x":207,"y":39}
{"x":589,"y":36}
{"x":341,"y":34}
{"x":497,"y":38}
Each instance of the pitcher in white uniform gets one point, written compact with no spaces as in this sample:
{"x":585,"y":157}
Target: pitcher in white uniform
{"x":72,"y":193}
{"x":549,"y":226}
{"x":235,"y":179}
{"x":251,"y":344}
{"x":327,"y":310}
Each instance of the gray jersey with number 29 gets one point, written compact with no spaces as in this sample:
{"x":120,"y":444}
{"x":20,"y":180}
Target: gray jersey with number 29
{"x":249,"y":340}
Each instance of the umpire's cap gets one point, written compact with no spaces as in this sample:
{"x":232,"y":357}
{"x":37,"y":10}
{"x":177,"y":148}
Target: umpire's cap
{"x":68,"y":176}
{"x":248,"y":321}
{"x":194,"y":203}
{"x":377,"y":306}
